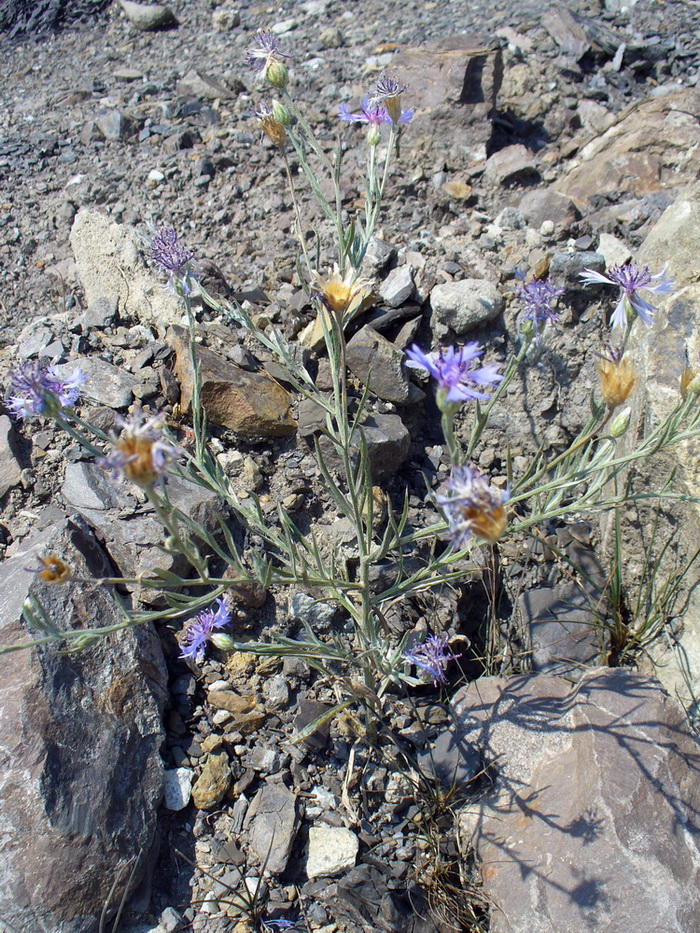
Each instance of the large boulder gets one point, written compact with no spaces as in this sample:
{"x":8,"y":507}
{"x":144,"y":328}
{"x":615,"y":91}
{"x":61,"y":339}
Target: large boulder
{"x":592,"y":820}
{"x":80,"y":732}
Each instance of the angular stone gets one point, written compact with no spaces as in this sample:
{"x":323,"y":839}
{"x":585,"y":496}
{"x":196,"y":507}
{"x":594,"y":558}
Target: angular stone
{"x":388,"y":442}
{"x":398,"y":286}
{"x":562,"y":628}
{"x":249,"y":403}
{"x":566,"y":31}
{"x":274,"y":826}
{"x":203,"y":86}
{"x":228,"y":700}
{"x":332,"y":851}
{"x":10,"y":468}
{"x":613,"y":251}
{"x":454,"y":85}
{"x":652,"y":146}
{"x":106,"y":384}
{"x":148,"y":16}
{"x":461,"y":306}
{"x":110,"y":263}
{"x":514,"y":165}
{"x":80,"y":769}
{"x":379,"y":365}
{"x":177,"y":788}
{"x":541,"y":204}
{"x":566,"y":268}
{"x":114,"y":125}
{"x":213,"y":781}
{"x":133,"y":538}
{"x":592,"y":822}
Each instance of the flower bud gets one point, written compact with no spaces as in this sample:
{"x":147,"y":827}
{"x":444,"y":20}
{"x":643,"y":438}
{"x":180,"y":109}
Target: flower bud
{"x":690,"y":383}
{"x":276,"y":74}
{"x":449,"y":408}
{"x":617,"y":380}
{"x":373,"y":135}
{"x":620,"y":423}
{"x":280,"y":113}
{"x":223,"y":642}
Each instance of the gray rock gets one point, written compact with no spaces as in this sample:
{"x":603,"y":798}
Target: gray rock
{"x":388,"y":442}
{"x":274,"y":825}
{"x":378,"y":255}
{"x":318,"y":615}
{"x":148,"y":16}
{"x":109,"y":264}
{"x":98,"y":314}
{"x":566,"y":31}
{"x":398,"y":286}
{"x":204,"y":87}
{"x":80,"y":770}
{"x":133,"y":538}
{"x":332,"y":850}
{"x":458,"y":307}
{"x":225,"y":19}
{"x":566,"y":268}
{"x":450,"y":759}
{"x":34,"y":338}
{"x":562,"y":628}
{"x":105,"y":384}
{"x":541,"y":204}
{"x":593,"y":815}
{"x":114,"y":125}
{"x":10,"y":468}
{"x":510,"y":218}
{"x":613,"y":251}
{"x":514,"y":165}
{"x":379,"y":365}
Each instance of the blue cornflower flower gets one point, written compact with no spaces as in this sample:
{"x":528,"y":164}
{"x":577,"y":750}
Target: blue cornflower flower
{"x":432,"y":657}
{"x":388,"y":92}
{"x":472,"y":507}
{"x":42,"y":391}
{"x":537,"y":296}
{"x":454,"y":372}
{"x":173,"y":258}
{"x":631,"y":279}
{"x":371,"y":112}
{"x":202,"y":630}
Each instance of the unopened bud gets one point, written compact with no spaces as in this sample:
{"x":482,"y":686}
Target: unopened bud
{"x":620,"y":423}
{"x":170,"y":545}
{"x":276,"y":74}
{"x":222,"y":642}
{"x":280,"y":113}
{"x":449,"y":408}
{"x":690,"y":383}
{"x":373,"y":135}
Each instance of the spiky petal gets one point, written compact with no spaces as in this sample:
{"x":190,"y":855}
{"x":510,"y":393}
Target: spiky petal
{"x":201,"y":630}
{"x":631,"y":279}
{"x":458,"y":379}
{"x":42,"y":391}
{"x":432,"y":657}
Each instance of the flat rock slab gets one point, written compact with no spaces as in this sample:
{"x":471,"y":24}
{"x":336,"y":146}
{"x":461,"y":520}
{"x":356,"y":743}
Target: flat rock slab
{"x":81,"y":775}
{"x":592,"y":822}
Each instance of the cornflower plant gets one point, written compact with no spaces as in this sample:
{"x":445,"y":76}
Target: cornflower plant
{"x":472,"y":510}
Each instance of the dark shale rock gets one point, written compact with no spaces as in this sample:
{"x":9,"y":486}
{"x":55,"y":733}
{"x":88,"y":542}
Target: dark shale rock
{"x":80,"y":770}
{"x":593,"y":821}
{"x":379,"y":365}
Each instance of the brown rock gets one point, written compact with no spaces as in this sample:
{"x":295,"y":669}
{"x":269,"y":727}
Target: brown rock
{"x":228,"y":700}
{"x":511,"y":166}
{"x":213,"y":782}
{"x":453,"y":87}
{"x":592,"y":822}
{"x":652,"y":146}
{"x":249,"y":403}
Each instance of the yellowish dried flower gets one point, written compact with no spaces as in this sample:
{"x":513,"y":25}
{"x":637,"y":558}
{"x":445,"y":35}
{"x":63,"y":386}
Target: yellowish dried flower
{"x":53,"y":569}
{"x":344,"y":296}
{"x":690,"y":382}
{"x":617,"y":379}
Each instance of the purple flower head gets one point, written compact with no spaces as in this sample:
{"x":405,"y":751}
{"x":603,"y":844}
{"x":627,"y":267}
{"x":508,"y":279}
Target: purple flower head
{"x":370,"y":112}
{"x":537,"y":296}
{"x":265,"y":58}
{"x":432,"y":657}
{"x":631,"y":279}
{"x":454,"y":371}
{"x":201,"y":629}
{"x":472,"y":507}
{"x":140,"y":452}
{"x":290,"y":925}
{"x":388,"y":92}
{"x":42,"y":391}
{"x":172,"y":257}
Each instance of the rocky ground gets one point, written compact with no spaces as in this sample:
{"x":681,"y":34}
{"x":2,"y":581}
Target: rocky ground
{"x":560,"y":146}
